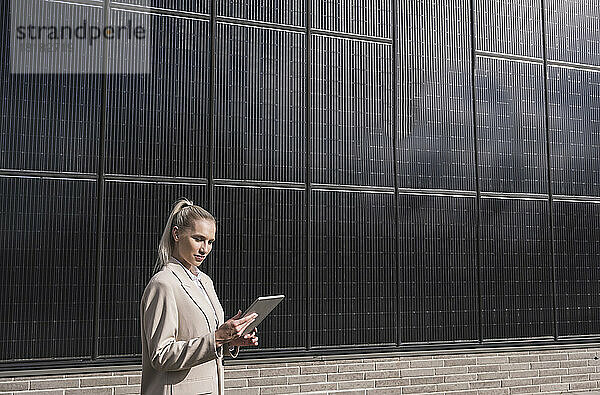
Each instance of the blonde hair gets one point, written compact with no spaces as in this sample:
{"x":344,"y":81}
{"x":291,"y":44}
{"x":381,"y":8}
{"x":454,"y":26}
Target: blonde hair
{"x":182,"y":215}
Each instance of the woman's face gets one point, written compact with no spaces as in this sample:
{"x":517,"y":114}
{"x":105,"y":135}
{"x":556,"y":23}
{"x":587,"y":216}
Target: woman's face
{"x":193,"y":245}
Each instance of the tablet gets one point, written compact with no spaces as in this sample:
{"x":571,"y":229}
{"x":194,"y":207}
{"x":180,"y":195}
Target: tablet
{"x":262,"y":306}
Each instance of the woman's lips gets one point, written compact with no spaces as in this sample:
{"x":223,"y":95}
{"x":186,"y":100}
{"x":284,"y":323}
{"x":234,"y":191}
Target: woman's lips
{"x":199,"y":257}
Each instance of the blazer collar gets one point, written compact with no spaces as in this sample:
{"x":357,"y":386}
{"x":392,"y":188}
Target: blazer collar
{"x":208,"y":307}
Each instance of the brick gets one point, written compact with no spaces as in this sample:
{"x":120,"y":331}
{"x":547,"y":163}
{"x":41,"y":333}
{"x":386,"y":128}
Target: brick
{"x":452,"y":387}
{"x":312,"y":378}
{"x":417,"y":358}
{"x":35,"y":392}
{"x":264,"y":381}
{"x":56,"y":384}
{"x":318,"y":369}
{"x":289,"y":389}
{"x":463,"y":392}
{"x":103,"y":381}
{"x":391,"y":382}
{"x":451,"y":370}
{"x":30,"y":378}
{"x":517,"y":366}
{"x":594,"y":376}
{"x":392,"y":359}
{"x":134,"y":379}
{"x":575,"y":377}
{"x":362,"y":384}
{"x":583,"y":385}
{"x":244,"y":391}
{"x":523,"y":358}
{"x":237,"y":367}
{"x":573,"y":364}
{"x":239,"y":374}
{"x":582,"y":355}
{"x":545,"y":365}
{"x":272,"y":372}
{"x":348,"y":392}
{"x":351,"y":376}
{"x":492,"y":376}
{"x":384,"y":391}
{"x":491,"y":360}
{"x":529,"y":389}
{"x":460,"y":377}
{"x":357,"y":367}
{"x":552,"y":372}
{"x":546,"y":380}
{"x":127,"y":389}
{"x":460,"y":362}
{"x":382,"y":374}
{"x":553,"y":357}
{"x":82,"y":375}
{"x":236,"y":383}
{"x":419,"y":389}
{"x":90,"y":391}
{"x":312,"y":387}
{"x":522,"y":373}
{"x":417,"y":372}
{"x":554,"y":387}
{"x":581,"y":370}
{"x":494,"y":391}
{"x":14,"y":385}
{"x":516,"y":382}
{"x":268,"y":365}
{"x":483,"y":368}
{"x":485,"y":384}
{"x":427,"y":363}
{"x":426,"y":380}
{"x":391,"y":365}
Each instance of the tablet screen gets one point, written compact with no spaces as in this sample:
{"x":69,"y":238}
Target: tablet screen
{"x":262,"y":306}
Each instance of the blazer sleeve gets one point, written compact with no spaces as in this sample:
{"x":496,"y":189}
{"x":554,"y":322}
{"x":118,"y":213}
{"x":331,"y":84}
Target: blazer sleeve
{"x":160,"y":320}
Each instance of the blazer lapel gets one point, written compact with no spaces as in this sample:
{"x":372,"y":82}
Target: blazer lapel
{"x":192,"y":290}
{"x":213,"y":298}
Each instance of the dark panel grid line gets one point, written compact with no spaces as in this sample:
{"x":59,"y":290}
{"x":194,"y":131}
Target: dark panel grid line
{"x":259,"y":108}
{"x":353,"y":272}
{"x":47,"y":307}
{"x":516,"y":269}
{"x":351,"y":97}
{"x":157,"y":123}
{"x":135,"y":214}
{"x":436,"y":148}
{"x":259,"y":251}
{"x":509,"y":26}
{"x":577,"y":270}
{"x":438,"y":268}
{"x":511,"y":130}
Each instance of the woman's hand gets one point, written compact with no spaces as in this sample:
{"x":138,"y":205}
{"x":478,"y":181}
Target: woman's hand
{"x":233,"y":328}
{"x":249,"y":339}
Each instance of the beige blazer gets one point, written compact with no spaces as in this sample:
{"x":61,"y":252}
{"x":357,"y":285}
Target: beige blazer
{"x":179,"y":355}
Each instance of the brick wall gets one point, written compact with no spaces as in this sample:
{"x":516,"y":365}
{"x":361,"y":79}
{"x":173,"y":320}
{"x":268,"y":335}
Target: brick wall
{"x":500,"y":372}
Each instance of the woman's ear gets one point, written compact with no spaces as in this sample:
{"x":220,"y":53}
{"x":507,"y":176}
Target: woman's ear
{"x":175,"y":233}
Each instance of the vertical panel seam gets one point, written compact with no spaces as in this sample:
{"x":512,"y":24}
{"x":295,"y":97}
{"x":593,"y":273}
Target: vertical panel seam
{"x":100,"y":189}
{"x":395,"y":98}
{"x":548,"y":168}
{"x":477,"y":179}
{"x":211,"y":111}
{"x":308,"y":180}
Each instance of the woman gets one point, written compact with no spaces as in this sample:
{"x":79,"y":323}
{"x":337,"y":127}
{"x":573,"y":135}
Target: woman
{"x":183,"y":334}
